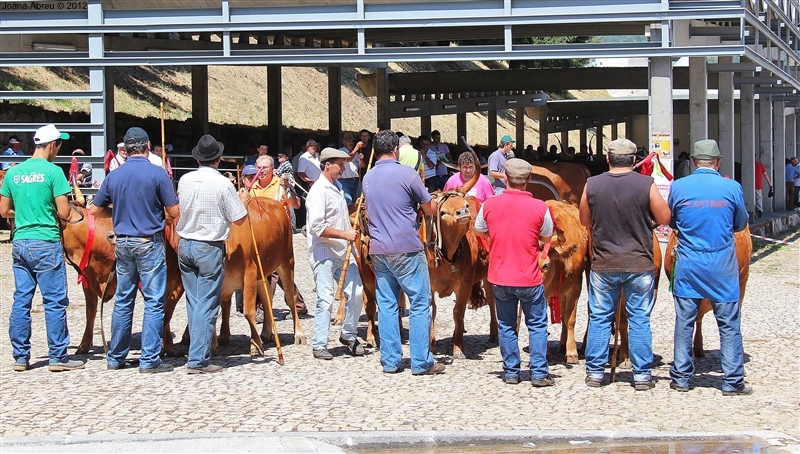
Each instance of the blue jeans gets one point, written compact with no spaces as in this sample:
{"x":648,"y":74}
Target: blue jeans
{"x":37,"y":262}
{"x":350,"y":186}
{"x":639,"y":302}
{"x":409,"y":273}
{"x":139,"y":260}
{"x":730,"y":341}
{"x":508,"y":299}
{"x":326,"y":278}
{"x":202,"y":265}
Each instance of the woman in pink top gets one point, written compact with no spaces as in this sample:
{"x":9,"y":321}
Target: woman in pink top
{"x":482,"y":189}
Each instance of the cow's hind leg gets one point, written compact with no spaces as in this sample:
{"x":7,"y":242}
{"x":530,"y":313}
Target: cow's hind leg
{"x":371,"y":309}
{"x":568,"y":315}
{"x":623,"y":356}
{"x":705,"y":306}
{"x":88,"y":331}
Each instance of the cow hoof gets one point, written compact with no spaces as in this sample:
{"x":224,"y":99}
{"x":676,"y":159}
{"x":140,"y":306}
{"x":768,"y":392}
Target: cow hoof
{"x":300,"y":340}
{"x":256,"y":350}
{"x":492,"y":340}
{"x":699,"y":353}
{"x":572,"y":359}
{"x":336,"y":321}
{"x":82,"y":351}
{"x":224,"y":341}
{"x":171,"y":353}
{"x":214,"y":352}
{"x":184,"y":341}
{"x":625,"y":365}
{"x":457,"y":354}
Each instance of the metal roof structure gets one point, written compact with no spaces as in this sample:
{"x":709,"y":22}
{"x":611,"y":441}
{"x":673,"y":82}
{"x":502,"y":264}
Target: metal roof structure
{"x":760,"y":35}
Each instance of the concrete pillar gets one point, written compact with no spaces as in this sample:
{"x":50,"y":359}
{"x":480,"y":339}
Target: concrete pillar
{"x":725,"y":118}
{"x":765,"y":138}
{"x":543,"y":127}
{"x":274,"y":107}
{"x":584,"y":138}
{"x":791,"y":135}
{"x":779,"y":155}
{"x":629,"y":129}
{"x":383,"y":117}
{"x":564,"y":140}
{"x":747,"y":125}
{"x":660,"y":94}
{"x":199,"y":101}
{"x":461,"y":130}
{"x":520,"y":135}
{"x":614,"y":131}
{"x":335,"y":104}
{"x":599,"y":151}
{"x":492,"y":139}
{"x":425,"y":127}
{"x":698,"y":100}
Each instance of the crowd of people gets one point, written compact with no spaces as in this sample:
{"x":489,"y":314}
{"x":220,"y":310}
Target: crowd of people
{"x":619,"y":206}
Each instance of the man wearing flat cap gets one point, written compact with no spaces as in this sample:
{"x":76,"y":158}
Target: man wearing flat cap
{"x":706,"y":210}
{"x":209,"y":204}
{"x":329,"y":232}
{"x":119,"y":158}
{"x":139,"y":193}
{"x":621,"y":207}
{"x":519,"y":227}
{"x":12,"y":150}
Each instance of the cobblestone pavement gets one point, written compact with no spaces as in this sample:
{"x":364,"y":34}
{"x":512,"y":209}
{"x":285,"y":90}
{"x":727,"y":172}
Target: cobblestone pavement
{"x":256,"y":394}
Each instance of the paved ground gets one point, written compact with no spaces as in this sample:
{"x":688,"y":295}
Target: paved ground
{"x":256,"y":395}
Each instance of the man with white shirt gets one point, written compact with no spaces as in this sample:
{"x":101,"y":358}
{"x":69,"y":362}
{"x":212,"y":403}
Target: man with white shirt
{"x":329,"y":232}
{"x":308,"y":165}
{"x":119,"y":158}
{"x":349,"y":179}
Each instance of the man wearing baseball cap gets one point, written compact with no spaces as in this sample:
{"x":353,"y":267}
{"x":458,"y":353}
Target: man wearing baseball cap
{"x":329,"y":232}
{"x":497,"y":162}
{"x":32,"y":193}
{"x":519,"y":227}
{"x":707,"y":209}
{"x":12,"y":150}
{"x":140,"y":193}
{"x":620,"y":207}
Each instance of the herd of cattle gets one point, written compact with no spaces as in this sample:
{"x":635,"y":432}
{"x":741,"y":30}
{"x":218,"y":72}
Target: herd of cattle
{"x":458,"y":263}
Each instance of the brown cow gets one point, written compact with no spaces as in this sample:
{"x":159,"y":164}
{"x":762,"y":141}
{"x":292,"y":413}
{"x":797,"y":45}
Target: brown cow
{"x":456,"y":262}
{"x":97,"y":273}
{"x":240,"y":270}
{"x":563,"y":269}
{"x":744,"y":251}
{"x":568,"y":180}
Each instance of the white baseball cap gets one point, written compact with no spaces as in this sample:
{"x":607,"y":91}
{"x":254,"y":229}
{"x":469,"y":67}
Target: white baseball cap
{"x":47,"y":134}
{"x":13,"y":140}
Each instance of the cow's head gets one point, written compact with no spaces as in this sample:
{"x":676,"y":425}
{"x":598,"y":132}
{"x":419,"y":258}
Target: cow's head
{"x":453,"y":215}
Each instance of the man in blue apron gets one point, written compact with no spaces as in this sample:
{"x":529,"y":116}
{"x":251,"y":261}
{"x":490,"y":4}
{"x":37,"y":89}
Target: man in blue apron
{"x":707,"y":209}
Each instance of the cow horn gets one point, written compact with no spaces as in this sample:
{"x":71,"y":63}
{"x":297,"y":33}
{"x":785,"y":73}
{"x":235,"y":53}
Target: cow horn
{"x":466,"y":187}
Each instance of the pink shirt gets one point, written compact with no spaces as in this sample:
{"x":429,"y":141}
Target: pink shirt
{"x":481,"y":191}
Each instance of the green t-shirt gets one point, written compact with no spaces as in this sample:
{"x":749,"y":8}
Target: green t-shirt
{"x":33,"y":186}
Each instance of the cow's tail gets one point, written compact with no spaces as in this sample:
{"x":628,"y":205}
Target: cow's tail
{"x":477,"y":297}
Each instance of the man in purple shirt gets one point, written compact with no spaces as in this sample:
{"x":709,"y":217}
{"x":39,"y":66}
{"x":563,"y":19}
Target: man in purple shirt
{"x":394,"y":193}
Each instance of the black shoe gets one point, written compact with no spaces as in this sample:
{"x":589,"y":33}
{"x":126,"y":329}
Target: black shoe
{"x":323,"y":354}
{"x":511,"y":379}
{"x":743,"y":391}
{"x":543,"y":382}
{"x":116,"y":367}
{"x":759,"y":213}
{"x":163,"y":367}
{"x":593,"y":382}
{"x":645,"y":385}
{"x":355,"y":347}
{"x":680,"y":389}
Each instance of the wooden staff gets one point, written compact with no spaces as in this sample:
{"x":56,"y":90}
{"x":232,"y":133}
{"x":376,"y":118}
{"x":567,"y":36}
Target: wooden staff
{"x":268,"y":309}
{"x":163,"y":147}
{"x":339,"y":294}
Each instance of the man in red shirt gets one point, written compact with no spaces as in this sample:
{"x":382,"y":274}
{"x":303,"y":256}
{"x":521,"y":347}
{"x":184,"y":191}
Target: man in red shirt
{"x":520,"y":228}
{"x":760,"y":174}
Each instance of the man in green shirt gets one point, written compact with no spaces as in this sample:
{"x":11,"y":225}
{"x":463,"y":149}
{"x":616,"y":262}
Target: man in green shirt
{"x":33,"y":193}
